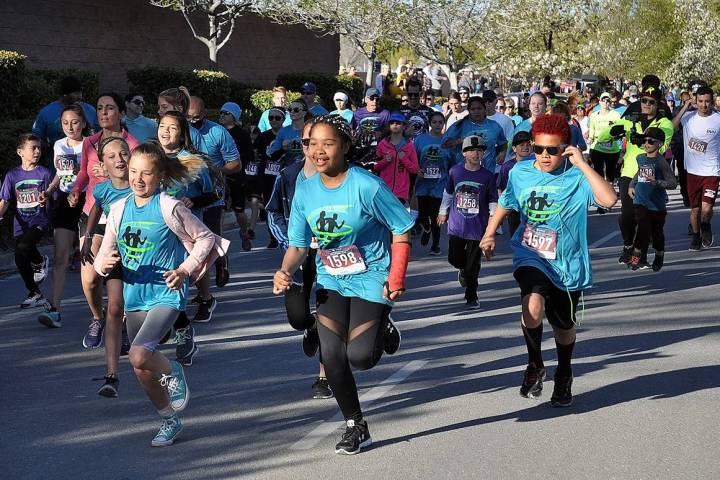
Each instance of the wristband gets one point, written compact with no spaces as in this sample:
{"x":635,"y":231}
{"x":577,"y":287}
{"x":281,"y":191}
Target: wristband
{"x":398,"y":266}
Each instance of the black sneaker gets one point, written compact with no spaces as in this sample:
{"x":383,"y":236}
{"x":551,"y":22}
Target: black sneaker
{"x":321,"y":389}
{"x":184,"y":342}
{"x":125,"y":344}
{"x":472,"y":304}
{"x":311,"y":342}
{"x":657,"y":262}
{"x":695,"y":244}
{"x":532,"y":382}
{"x":188,"y":360}
{"x":435,"y":250}
{"x":461,"y":278}
{"x":251,"y":234}
{"x":273,"y":244}
{"x":706,"y":235}
{"x":355,"y":438}
{"x":625,"y":255}
{"x":205,"y":309}
{"x":425,"y":237}
{"x":110,"y":388}
{"x":392,"y":337}
{"x":562,"y":392}
{"x":222,"y":272}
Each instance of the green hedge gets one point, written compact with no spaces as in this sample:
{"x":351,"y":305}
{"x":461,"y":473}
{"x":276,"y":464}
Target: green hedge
{"x":327,"y":85}
{"x":262,"y":99}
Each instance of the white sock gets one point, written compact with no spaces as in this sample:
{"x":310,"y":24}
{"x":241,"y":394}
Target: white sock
{"x":167,"y":412}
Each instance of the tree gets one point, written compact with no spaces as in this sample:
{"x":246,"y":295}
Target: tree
{"x":220,"y":15}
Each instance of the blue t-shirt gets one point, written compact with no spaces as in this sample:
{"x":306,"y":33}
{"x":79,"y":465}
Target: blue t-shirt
{"x":517,"y":120}
{"x":105,"y":195}
{"x":264,"y":123}
{"x":318,"y":110}
{"x":47,"y":125}
{"x":553,"y":220}
{"x":142,"y":128}
{"x":293,"y":153}
{"x":25,"y":187}
{"x":347,"y":114}
{"x":576,"y":138}
{"x":434,"y":162}
{"x":488,"y":129}
{"x":215,"y":141}
{"x":201,"y":185}
{"x":361,"y":212}
{"x":650,"y":196}
{"x":148,"y":249}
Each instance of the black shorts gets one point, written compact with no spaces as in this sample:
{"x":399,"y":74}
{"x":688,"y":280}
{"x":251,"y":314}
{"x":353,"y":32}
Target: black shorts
{"x":82,"y":226}
{"x":213,"y":219}
{"x":560,"y":305}
{"x":115,"y":274}
{"x":254,"y":186}
{"x":235,"y":192}
{"x":63,"y":215}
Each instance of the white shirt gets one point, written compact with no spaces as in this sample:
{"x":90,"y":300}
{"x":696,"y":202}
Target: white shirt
{"x":701,"y":137}
{"x":67,"y":163}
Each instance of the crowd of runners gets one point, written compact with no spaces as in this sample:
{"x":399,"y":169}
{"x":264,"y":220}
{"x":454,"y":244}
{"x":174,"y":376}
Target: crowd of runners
{"x":346,"y":194}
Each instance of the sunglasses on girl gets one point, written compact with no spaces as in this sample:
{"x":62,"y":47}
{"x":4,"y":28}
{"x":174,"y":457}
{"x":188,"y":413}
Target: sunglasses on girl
{"x":394,"y":122}
{"x":648,"y":101}
{"x":275,"y":118}
{"x":138,"y":102}
{"x":551,"y":150}
{"x":297,"y":110}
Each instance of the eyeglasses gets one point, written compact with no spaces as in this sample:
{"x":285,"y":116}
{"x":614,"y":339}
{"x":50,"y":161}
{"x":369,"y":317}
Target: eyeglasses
{"x":648,"y":101}
{"x":651,"y":141}
{"x":305,"y":142}
{"x":373,"y":97}
{"x":297,"y":110}
{"x":413,"y":94}
{"x":138,"y":102}
{"x":551,"y":150}
{"x":225,"y":112}
{"x":395,"y":122}
{"x":274,"y":118}
{"x":499,"y":108}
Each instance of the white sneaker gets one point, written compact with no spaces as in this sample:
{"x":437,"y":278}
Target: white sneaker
{"x":33,"y":300}
{"x":40,"y":270}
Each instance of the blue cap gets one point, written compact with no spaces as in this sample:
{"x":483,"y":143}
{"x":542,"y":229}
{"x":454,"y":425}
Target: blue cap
{"x":308,"y":87}
{"x":396,"y":117}
{"x":232,"y":108}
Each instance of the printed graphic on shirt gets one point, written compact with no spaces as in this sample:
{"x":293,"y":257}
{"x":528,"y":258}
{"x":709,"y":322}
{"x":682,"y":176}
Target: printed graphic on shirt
{"x":27,"y":194}
{"x":328,"y":225}
{"x":540,"y":206}
{"x":368,"y":125}
{"x":433,"y":159}
{"x":134,"y":243}
{"x":467,"y":198}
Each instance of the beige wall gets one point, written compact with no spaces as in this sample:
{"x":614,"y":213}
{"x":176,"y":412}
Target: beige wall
{"x":113,"y":36}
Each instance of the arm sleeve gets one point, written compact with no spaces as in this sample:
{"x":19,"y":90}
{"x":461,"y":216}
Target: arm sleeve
{"x":276,"y":144}
{"x":411,"y":160}
{"x":276,"y":216}
{"x":227,"y":146}
{"x":264,"y":123}
{"x":445,"y":203}
{"x":667,"y":127}
{"x":508,"y":200}
{"x":203,"y":238}
{"x":670,"y":182}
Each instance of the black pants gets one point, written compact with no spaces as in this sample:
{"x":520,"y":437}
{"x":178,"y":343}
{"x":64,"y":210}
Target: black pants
{"x":626,"y":220}
{"x":650,"y":224}
{"x":297,"y":299}
{"x":678,"y":152}
{"x":465,"y":255}
{"x":351,"y":333}
{"x":26,"y":253}
{"x":513,"y":219}
{"x":428,"y":208}
{"x":605,"y":164}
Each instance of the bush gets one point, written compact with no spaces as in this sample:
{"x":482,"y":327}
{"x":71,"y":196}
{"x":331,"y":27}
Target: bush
{"x":12,"y":73}
{"x":327,"y":85}
{"x":262,"y":99}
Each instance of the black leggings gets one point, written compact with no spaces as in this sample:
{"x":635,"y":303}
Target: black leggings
{"x":351,"y":333}
{"x":650,"y":224}
{"x":465,"y":255}
{"x":428,"y":208}
{"x":626,"y":220}
{"x":605,"y":164}
{"x":26,"y":253}
{"x":297,"y":299}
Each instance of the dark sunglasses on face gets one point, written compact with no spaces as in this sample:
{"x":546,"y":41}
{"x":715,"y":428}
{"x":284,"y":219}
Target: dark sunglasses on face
{"x":551,"y":150}
{"x":138,"y":102}
{"x":373,"y":97}
{"x":648,"y":101}
{"x":403,"y":100}
{"x":297,"y":110}
{"x":651,"y":141}
{"x":275,"y":118}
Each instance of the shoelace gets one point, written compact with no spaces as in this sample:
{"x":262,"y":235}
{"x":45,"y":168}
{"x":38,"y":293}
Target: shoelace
{"x":95,"y":328}
{"x":171,"y":383}
{"x":167,"y":427}
{"x":352,"y":433}
{"x":182,"y":335}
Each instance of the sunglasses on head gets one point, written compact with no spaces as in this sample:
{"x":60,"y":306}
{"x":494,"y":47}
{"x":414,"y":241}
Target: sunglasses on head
{"x":648,"y":101}
{"x":551,"y":150}
{"x":276,"y":118}
{"x":297,"y":109}
{"x":138,"y":102}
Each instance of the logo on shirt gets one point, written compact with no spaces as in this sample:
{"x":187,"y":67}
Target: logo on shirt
{"x":328,"y":224}
{"x":467,"y":198}
{"x":540,"y":205}
{"x":134,"y":243}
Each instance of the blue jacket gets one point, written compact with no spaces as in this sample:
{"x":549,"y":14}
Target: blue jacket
{"x":278,"y":207}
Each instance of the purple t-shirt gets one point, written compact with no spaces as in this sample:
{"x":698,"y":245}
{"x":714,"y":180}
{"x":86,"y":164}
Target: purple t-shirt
{"x":473,"y":192}
{"x":370,"y":122}
{"x":504,"y":174}
{"x":24,"y":187}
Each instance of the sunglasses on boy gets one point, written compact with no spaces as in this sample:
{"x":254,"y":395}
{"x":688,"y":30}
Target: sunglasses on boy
{"x":551,"y":150}
{"x":651,"y":141}
{"x":648,"y":101}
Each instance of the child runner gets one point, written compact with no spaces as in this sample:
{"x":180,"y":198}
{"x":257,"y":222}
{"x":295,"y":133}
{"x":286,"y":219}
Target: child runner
{"x":522,"y":150}
{"x":471,"y":196}
{"x":354,"y":217}
{"x":67,"y":158}
{"x":550,"y":252}
{"x":160,"y":245}
{"x":648,"y":190}
{"x":396,"y":158}
{"x":435,"y":162}
{"x":26,"y":185}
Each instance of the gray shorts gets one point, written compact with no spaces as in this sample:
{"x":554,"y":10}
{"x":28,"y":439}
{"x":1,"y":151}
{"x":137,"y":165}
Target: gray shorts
{"x":146,"y":329}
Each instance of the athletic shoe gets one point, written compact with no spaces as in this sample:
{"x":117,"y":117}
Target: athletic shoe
{"x":195,"y":300}
{"x":392,"y":337}
{"x":94,"y":336}
{"x":40,"y":270}
{"x":625,"y":255}
{"x":188,"y":360}
{"x":125,"y":343}
{"x":311,"y":342}
{"x":695,"y":244}
{"x":532,"y":382}
{"x":176,"y":386}
{"x":435,"y":251}
{"x":355,"y":438}
{"x":110,"y":388}
{"x":50,"y":319}
{"x":169,"y":431}
{"x":34,"y":299}
{"x":321,"y":389}
{"x":425,"y":237}
{"x":562,"y":394}
{"x":222,"y":272}
{"x":643,"y":265}
{"x":273,"y":244}
{"x":184,"y":342}
{"x":251,"y":234}
{"x":461,"y":278}
{"x":205,"y":309}
{"x":658,"y":262}
{"x":706,"y":236}
{"x":245,"y":242}
{"x":472,"y":304}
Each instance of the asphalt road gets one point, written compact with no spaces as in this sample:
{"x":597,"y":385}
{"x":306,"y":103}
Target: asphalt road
{"x":445,"y":406}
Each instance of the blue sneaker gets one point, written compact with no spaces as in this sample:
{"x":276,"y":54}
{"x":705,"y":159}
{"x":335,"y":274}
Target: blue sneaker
{"x":94,"y":336}
{"x":169,"y":431}
{"x":177,"y":387}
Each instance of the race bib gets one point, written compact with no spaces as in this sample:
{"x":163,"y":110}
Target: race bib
{"x":645,"y":174}
{"x":65,"y":165}
{"x":697,"y":145}
{"x":251,"y":169}
{"x":272,"y":168}
{"x":467,"y":201}
{"x":27,"y":199}
{"x":431,"y":171}
{"x":607,"y":145}
{"x":342,"y":261}
{"x":541,"y":240}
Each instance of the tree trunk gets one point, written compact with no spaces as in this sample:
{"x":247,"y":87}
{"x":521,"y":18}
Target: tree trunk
{"x":451,"y":75}
{"x":369,"y":74}
{"x":212,"y":46}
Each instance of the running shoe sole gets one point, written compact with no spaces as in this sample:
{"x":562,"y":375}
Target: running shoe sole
{"x":169,"y":442}
{"x":108,"y":391}
{"x":48,"y":321}
{"x":364,"y":444}
{"x":556,"y":404}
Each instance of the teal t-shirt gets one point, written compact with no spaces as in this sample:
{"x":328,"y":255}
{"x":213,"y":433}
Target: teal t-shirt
{"x":105,"y":195}
{"x":148,"y":249}
{"x":553,"y":222}
{"x":488,"y":129}
{"x":652,"y":197}
{"x":356,"y":218}
{"x":434,"y":162}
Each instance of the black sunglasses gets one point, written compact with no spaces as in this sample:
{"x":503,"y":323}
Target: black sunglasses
{"x":276,"y":118}
{"x":648,"y":101}
{"x":139,"y":102}
{"x":651,"y":141}
{"x":297,"y":110}
{"x":552,"y":150}
{"x":373,"y":97}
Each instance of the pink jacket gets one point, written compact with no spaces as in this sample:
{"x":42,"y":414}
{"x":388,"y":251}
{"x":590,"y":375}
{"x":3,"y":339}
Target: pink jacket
{"x":203,"y":246}
{"x":395,"y":167}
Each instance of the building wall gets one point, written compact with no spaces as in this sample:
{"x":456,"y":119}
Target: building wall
{"x":112,"y":37}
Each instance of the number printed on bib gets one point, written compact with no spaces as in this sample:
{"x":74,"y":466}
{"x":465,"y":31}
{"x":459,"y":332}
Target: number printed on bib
{"x":646,"y":173}
{"x":27,"y":199}
{"x":272,"y":168}
{"x":65,"y":164}
{"x":432,"y":172}
{"x":697,"y":145}
{"x":251,"y":169}
{"x":541,"y":240}
{"x":467,"y":201}
{"x":342,"y":261}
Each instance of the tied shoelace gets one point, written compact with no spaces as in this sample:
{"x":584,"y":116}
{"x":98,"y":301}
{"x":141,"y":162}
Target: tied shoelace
{"x":95,"y":328}
{"x":171,"y":383}
{"x":166,"y":429}
{"x":182,"y":335}
{"x":353,"y":432}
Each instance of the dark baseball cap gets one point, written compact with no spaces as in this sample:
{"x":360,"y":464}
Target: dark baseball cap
{"x":372,"y":91}
{"x":308,"y":87}
{"x":521,"y":137}
{"x":655,"y":133}
{"x":696,"y":83}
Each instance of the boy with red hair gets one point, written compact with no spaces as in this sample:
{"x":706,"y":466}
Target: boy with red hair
{"x":550,"y":251}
